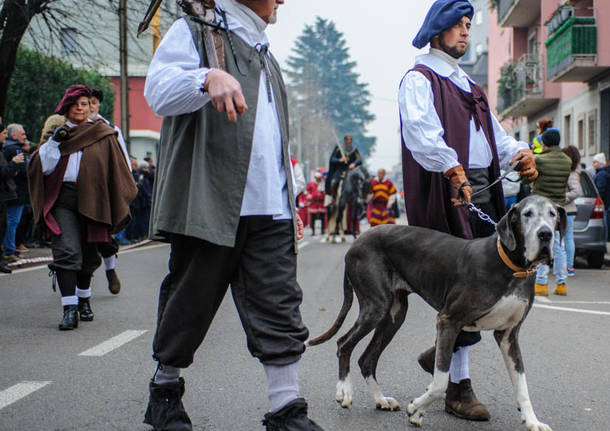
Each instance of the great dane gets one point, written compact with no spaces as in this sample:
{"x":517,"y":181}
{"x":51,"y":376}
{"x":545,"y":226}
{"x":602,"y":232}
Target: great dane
{"x":475,"y":285}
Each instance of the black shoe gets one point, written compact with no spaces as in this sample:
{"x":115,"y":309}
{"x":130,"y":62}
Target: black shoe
{"x":84,"y":310}
{"x":114,"y":284}
{"x":291,"y":417}
{"x":426,"y":360}
{"x":165,"y":411}
{"x":5,"y":269}
{"x":70,"y":320}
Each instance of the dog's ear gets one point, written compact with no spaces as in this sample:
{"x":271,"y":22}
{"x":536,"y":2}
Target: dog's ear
{"x":562,"y":221}
{"x":505,"y":229}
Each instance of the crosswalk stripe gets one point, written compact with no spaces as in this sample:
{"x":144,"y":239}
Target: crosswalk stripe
{"x":18,"y":391}
{"x":113,"y":343}
{"x":303,"y":244}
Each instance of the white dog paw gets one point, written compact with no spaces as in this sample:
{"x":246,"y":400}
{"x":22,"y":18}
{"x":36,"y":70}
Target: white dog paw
{"x":387,"y":404}
{"x":538,"y":426}
{"x":416,"y":416}
{"x":344,"y":393}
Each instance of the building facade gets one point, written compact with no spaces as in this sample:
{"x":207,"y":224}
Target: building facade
{"x":547,"y":59}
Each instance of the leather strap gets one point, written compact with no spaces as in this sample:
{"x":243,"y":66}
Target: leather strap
{"x":519,"y":271}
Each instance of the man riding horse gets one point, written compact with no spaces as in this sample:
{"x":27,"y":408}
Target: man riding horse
{"x":341,"y":160}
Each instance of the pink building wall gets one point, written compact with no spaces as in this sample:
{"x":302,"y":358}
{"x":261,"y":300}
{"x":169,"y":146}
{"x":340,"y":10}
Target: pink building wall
{"x":142,"y":117}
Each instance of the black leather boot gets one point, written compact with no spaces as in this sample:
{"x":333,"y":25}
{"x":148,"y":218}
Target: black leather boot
{"x":165,"y":411}
{"x":114,"y":284}
{"x":291,"y":417}
{"x":70,"y":320}
{"x":84,"y":310}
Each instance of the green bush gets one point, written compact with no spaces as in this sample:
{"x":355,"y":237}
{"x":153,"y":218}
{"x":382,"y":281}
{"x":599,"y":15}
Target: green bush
{"x":39,"y":83}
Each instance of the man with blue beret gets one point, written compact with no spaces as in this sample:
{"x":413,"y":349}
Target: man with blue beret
{"x":451,"y":141}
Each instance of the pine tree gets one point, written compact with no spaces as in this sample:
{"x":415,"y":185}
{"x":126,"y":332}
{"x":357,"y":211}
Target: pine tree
{"x":326,"y":99}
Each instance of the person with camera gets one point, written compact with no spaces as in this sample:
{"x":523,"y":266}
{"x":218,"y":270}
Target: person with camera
{"x":16,"y":143}
{"x":8,"y":192}
{"x":70,"y":177}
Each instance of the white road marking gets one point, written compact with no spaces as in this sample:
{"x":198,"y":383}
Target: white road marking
{"x":574,"y":310}
{"x":543,"y":299}
{"x":303,"y":244}
{"x":579,"y":302}
{"x":34,"y":268}
{"x":112,"y":343}
{"x":18,"y":391}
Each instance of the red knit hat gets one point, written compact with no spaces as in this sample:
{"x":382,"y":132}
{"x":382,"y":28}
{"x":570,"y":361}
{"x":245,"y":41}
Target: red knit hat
{"x":71,"y":96}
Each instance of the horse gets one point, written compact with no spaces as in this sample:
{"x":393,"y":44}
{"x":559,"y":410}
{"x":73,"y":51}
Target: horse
{"x":352,"y":190}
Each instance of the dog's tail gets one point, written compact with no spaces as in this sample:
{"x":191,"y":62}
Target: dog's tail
{"x":348,"y":300}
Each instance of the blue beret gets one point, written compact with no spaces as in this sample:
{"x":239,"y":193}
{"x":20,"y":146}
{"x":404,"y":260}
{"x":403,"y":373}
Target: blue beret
{"x":443,"y":15}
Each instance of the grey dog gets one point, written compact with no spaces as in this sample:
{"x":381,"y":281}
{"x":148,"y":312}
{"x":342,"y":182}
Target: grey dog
{"x":481,"y":284}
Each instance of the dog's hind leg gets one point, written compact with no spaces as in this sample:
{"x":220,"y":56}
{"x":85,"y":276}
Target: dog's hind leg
{"x":366,"y":322}
{"x":446,"y":334}
{"x":382,"y":337}
{"x":508,"y":341}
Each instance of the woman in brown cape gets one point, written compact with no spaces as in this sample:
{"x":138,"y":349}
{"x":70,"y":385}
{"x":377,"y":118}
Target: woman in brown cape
{"x":81,"y":188}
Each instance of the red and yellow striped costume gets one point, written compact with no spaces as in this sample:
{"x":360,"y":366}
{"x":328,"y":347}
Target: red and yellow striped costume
{"x":381,"y":196}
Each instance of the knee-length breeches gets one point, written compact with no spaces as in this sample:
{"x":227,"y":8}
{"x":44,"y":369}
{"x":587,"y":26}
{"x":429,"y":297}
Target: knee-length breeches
{"x":261,"y":270}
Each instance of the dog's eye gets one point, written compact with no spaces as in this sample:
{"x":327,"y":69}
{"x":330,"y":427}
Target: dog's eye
{"x":528,"y":213}
{"x":552,"y":213}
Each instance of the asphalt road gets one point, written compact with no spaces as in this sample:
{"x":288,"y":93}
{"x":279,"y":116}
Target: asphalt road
{"x":96,"y":377}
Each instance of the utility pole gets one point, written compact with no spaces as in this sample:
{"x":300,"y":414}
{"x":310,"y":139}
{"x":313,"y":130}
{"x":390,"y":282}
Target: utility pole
{"x":124,"y":86}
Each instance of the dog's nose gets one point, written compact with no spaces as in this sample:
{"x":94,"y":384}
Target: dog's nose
{"x":545,"y":235}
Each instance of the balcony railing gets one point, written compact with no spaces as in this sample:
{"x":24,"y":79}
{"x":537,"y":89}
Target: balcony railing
{"x":572,"y":51}
{"x":521,"y":89}
{"x":503,"y":8}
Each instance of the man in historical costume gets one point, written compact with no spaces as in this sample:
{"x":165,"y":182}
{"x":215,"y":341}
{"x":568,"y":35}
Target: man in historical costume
{"x":341,"y":160}
{"x":315,"y":202}
{"x":224,"y":199}
{"x":81,"y":190}
{"x":451,"y":140}
{"x":109,"y":249}
{"x":382,"y":188}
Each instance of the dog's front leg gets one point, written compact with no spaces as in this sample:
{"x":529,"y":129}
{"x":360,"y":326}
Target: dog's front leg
{"x":446,"y":334}
{"x":508,"y":341}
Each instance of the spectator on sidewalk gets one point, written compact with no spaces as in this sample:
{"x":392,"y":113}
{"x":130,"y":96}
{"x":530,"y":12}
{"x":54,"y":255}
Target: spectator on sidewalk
{"x":553,"y":172}
{"x":602,"y":181}
{"x":8,"y":170}
{"x":572,"y":192}
{"x":15,"y":143}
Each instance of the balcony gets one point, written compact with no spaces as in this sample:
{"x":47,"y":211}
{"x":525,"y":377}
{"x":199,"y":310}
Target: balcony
{"x":521,"y":88}
{"x":571,"y":51}
{"x":517,"y":13}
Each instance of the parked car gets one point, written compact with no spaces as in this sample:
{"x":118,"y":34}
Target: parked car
{"x":589,"y":224}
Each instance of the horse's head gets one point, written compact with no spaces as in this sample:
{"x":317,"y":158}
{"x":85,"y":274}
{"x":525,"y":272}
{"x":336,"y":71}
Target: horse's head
{"x":357,"y":185}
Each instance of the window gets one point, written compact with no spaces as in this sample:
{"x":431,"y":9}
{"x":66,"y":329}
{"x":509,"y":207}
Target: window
{"x":532,"y":44}
{"x":479,"y":49}
{"x":592,"y":132}
{"x":581,"y":136}
{"x":567,"y":130}
{"x":518,"y":136}
{"x":67,"y":39}
{"x":532,"y":135}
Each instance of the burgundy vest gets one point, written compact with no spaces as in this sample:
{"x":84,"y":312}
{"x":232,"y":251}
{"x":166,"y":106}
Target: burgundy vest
{"x":428,"y":194}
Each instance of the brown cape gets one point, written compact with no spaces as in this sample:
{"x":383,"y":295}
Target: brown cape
{"x":105,"y":184}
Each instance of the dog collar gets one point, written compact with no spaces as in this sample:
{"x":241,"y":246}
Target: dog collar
{"x":519,"y":271}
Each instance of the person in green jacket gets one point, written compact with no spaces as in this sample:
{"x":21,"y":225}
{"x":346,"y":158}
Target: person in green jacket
{"x":554,"y":168}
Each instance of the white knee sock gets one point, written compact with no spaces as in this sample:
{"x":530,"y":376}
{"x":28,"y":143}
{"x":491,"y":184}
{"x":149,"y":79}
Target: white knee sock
{"x":459,"y":365}
{"x":283,"y":382}
{"x":166,"y":374}
{"x":110,"y":262}
{"x":69,"y":300}
{"x":83,"y":293}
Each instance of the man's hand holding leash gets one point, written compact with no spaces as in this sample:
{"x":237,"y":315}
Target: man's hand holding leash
{"x":225,"y":93}
{"x":458,"y":179}
{"x":527,"y":164}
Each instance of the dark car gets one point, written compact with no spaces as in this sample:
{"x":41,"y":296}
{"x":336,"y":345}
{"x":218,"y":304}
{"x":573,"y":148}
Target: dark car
{"x":589,"y":224}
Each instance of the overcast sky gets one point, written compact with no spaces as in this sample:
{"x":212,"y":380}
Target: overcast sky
{"x":379,"y":35}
